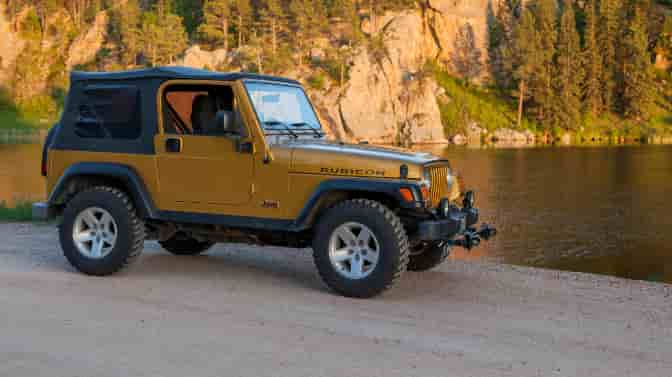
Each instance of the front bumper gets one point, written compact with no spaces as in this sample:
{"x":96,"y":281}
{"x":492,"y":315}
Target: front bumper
{"x":456,"y":226}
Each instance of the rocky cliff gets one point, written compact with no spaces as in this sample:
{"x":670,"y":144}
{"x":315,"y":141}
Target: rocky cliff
{"x":10,"y":46}
{"x":388,"y":98}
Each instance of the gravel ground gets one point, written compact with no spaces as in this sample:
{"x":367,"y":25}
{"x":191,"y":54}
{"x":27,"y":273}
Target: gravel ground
{"x":246,"y":311}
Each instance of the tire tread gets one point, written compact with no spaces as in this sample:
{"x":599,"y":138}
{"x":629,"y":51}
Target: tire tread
{"x":400,"y":240}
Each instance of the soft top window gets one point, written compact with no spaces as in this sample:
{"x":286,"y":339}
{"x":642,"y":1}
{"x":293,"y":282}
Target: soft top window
{"x":109,"y":111}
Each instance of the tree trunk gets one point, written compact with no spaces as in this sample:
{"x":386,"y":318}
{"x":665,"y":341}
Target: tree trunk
{"x":240,"y":31}
{"x":342,"y":75}
{"x":274,"y":37}
{"x":521,"y":102}
{"x":372,"y":16}
{"x":225,"y":29}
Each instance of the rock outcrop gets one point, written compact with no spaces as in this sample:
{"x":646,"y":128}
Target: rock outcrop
{"x":443,"y":19}
{"x":507,"y":135}
{"x":85,"y":47}
{"x":196,"y":57}
{"x":388,"y":99}
{"x":10,"y":45}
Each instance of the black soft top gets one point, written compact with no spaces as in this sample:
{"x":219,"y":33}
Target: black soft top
{"x":174,"y":73}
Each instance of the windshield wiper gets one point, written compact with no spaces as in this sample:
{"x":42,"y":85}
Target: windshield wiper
{"x":318,"y":133}
{"x":285,"y":127}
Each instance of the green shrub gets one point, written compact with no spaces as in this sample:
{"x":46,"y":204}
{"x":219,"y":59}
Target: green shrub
{"x":317,"y":81}
{"x":469,"y":103}
{"x":22,"y":211}
{"x":6,"y":103}
{"x":40,"y":108}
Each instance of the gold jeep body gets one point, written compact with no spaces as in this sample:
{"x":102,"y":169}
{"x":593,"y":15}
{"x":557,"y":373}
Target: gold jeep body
{"x":204,"y":157}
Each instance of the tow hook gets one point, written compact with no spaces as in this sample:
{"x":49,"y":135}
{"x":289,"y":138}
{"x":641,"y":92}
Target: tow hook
{"x":472,"y":237}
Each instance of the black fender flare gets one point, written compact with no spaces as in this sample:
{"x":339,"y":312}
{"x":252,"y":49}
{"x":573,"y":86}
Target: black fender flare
{"x":387,"y":187}
{"x":124,"y":174}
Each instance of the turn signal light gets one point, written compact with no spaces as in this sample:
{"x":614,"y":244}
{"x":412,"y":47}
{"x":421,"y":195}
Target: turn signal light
{"x":406,"y":194}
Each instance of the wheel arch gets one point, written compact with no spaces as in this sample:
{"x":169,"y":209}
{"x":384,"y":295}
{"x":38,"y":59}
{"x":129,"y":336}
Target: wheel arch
{"x":83,"y":175}
{"x":330,"y":192}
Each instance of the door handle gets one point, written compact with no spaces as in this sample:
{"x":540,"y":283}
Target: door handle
{"x":245,"y":147}
{"x":173,"y":145}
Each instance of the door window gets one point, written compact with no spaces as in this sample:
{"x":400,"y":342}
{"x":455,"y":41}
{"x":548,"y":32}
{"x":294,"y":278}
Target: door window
{"x":201,"y":111}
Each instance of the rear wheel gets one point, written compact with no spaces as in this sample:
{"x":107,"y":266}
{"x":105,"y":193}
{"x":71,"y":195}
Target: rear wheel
{"x":428,"y":255}
{"x":360,"y":248}
{"x":101,"y":233}
{"x":182,"y":244}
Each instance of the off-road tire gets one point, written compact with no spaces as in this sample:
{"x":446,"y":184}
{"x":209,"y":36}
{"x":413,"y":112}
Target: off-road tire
{"x":390,"y":233}
{"x":428,"y":256}
{"x":181,"y":244}
{"x":130,"y":229}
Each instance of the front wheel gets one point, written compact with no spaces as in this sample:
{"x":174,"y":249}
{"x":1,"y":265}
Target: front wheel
{"x":360,"y":248}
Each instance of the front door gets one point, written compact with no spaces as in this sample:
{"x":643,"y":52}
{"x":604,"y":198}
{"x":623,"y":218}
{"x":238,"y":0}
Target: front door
{"x":200,"y":166}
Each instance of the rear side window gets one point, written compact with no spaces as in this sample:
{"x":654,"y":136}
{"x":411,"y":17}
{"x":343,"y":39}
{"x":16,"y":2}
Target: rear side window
{"x":109,"y":112}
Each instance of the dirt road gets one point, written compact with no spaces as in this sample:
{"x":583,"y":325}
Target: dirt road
{"x":244,"y":311}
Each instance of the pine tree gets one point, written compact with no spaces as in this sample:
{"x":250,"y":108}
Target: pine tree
{"x":592,"y":59}
{"x":126,"y":22}
{"x":638,"y":76}
{"x":319,"y":19}
{"x":215,"y":26}
{"x":300,"y":11}
{"x":272,"y":20}
{"x":542,"y":87}
{"x":345,"y":12}
{"x":501,"y":27}
{"x":350,"y":16}
{"x":191,"y":12}
{"x":608,"y":41}
{"x":526,"y":52}
{"x":163,"y":34}
{"x":568,"y":72}
{"x":242,"y":14}
{"x":664,"y":42}
{"x":466,"y":56}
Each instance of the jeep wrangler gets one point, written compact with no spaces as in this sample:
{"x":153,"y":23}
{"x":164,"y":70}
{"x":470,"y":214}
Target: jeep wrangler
{"x":191,"y":158}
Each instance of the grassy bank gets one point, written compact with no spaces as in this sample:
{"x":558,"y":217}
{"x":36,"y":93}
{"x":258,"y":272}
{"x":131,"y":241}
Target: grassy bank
{"x":10,"y":120}
{"x":21,"y":211}
{"x":467,"y":104}
{"x":34,"y":113}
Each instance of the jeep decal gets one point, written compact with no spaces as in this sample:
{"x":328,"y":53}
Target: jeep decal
{"x":355,"y":172}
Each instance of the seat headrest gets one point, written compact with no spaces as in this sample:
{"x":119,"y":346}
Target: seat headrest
{"x":226,"y":122}
{"x":203,"y":112}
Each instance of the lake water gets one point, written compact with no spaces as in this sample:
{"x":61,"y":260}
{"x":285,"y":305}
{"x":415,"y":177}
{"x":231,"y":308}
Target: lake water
{"x":592,"y":209}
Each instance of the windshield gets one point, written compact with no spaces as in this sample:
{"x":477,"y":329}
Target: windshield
{"x":283,"y":110}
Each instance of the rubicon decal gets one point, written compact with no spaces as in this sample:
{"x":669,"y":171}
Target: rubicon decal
{"x":356,"y":172}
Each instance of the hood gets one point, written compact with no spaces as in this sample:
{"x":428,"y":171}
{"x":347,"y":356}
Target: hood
{"x":360,"y":160}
